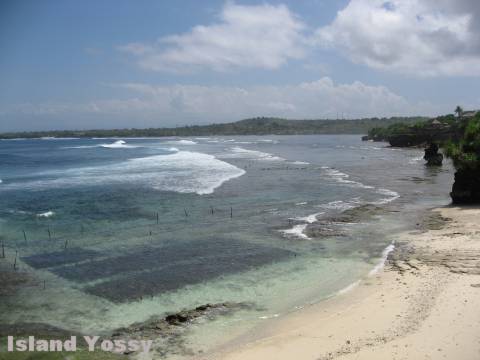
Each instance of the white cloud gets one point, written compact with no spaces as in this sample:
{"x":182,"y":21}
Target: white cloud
{"x":260,"y":36}
{"x":419,"y":37}
{"x":176,"y":104}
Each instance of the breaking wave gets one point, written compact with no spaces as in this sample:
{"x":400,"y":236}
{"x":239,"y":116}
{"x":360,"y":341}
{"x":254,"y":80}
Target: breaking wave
{"x":119,"y":144}
{"x":182,"y":142}
{"x":344,"y":178}
{"x":183,"y":171}
{"x":241,"y":153}
{"x":46,"y":214}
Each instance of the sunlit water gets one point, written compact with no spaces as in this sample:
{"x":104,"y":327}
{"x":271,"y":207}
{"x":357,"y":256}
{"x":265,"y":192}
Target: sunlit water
{"x":123,"y":230}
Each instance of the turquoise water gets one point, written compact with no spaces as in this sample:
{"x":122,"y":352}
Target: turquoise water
{"x":121,"y":230}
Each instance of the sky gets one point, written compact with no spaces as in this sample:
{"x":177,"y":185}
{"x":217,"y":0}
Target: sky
{"x":69,"y":64}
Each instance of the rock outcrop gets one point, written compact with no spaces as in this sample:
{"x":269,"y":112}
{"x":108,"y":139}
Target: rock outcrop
{"x":466,"y":188}
{"x":421,"y":136}
{"x":432,"y":156}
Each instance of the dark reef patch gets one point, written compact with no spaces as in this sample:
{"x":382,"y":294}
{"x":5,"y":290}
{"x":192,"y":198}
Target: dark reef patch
{"x":57,"y":258}
{"x":151,"y":270}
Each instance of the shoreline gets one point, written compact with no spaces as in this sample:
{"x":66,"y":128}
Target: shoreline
{"x":423,"y":304}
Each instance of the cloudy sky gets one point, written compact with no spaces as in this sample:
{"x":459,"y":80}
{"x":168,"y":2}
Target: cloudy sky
{"x":154,"y":63}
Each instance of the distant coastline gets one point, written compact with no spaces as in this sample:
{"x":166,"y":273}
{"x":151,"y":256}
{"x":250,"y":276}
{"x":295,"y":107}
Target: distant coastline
{"x":254,"y":126}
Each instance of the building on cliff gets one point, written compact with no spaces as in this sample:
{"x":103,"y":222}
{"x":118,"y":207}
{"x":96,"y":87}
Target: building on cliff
{"x":469,"y":114}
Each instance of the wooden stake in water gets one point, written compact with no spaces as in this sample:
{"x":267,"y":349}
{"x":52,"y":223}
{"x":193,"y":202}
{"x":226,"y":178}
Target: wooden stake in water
{"x":3,"y":250}
{"x":211,"y":208}
{"x":15,"y":262}
{"x":186,"y":213}
{"x":157,"y":218}
{"x":66,"y":243}
{"x":231,"y":212}
{"x":43,"y":284}
{"x":49,"y":234}
{"x":24,"y":235}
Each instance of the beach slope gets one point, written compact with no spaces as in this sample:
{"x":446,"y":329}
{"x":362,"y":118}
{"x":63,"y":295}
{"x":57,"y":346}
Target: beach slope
{"x":425,"y":304}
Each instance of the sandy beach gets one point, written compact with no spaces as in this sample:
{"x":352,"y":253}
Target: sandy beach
{"x":424,"y":304}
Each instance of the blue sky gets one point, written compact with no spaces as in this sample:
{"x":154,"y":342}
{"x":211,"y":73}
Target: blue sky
{"x":118,"y":63}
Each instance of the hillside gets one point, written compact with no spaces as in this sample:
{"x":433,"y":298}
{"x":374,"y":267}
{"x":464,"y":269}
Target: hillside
{"x":254,"y":126}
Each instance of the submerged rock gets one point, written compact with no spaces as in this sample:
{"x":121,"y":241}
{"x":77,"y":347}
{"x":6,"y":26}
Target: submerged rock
{"x":169,"y":324}
{"x":169,"y":332}
{"x":12,"y":281}
{"x":432,"y":156}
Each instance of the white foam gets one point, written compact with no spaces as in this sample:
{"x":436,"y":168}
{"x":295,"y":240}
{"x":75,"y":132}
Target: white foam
{"x":269,"y":316}
{"x":183,"y":142}
{"x":392,"y":195}
{"x":383,"y":260}
{"x":299,"y":229}
{"x":241,"y":153}
{"x":172,"y":149}
{"x":46,"y":214}
{"x":119,"y":144}
{"x":1,"y":181}
{"x":349,"y":288}
{"x":338,"y":205}
{"x":415,"y":160}
{"x":344,"y":178}
{"x":300,"y":163}
{"x":310,"y":218}
{"x":296,"y":231}
{"x":301,"y":203}
{"x":268,"y":141}
{"x":183,"y":171}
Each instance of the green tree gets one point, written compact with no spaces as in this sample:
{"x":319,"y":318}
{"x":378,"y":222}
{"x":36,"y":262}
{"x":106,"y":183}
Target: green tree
{"x":459,"y":111}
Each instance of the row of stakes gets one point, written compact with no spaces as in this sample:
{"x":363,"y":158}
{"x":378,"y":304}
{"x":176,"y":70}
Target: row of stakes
{"x":15,"y":267}
{"x":82,"y":228}
{"x":212,"y":211}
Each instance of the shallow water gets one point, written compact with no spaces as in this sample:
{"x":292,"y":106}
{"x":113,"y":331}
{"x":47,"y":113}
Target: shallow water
{"x":120,"y":231}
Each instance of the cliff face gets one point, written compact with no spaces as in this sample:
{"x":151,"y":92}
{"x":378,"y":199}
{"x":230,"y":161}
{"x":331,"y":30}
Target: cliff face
{"x":466,"y":188}
{"x":423,"y":136}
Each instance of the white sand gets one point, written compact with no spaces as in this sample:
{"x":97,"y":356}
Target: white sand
{"x":425,"y":304}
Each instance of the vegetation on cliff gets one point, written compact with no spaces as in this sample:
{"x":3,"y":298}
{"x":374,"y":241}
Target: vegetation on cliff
{"x":255,"y":126}
{"x":466,"y":152}
{"x":422,"y":132}
{"x":465,"y":155}
{"x":459,"y":138}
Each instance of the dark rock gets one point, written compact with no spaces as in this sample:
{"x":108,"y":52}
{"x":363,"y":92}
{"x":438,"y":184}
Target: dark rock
{"x":466,"y":188}
{"x":168,"y":325}
{"x":203,"y":307}
{"x":323,"y":230}
{"x":177,"y":318}
{"x":432,"y":156}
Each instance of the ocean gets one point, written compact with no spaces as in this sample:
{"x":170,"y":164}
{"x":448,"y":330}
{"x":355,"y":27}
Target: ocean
{"x":119,"y":231}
